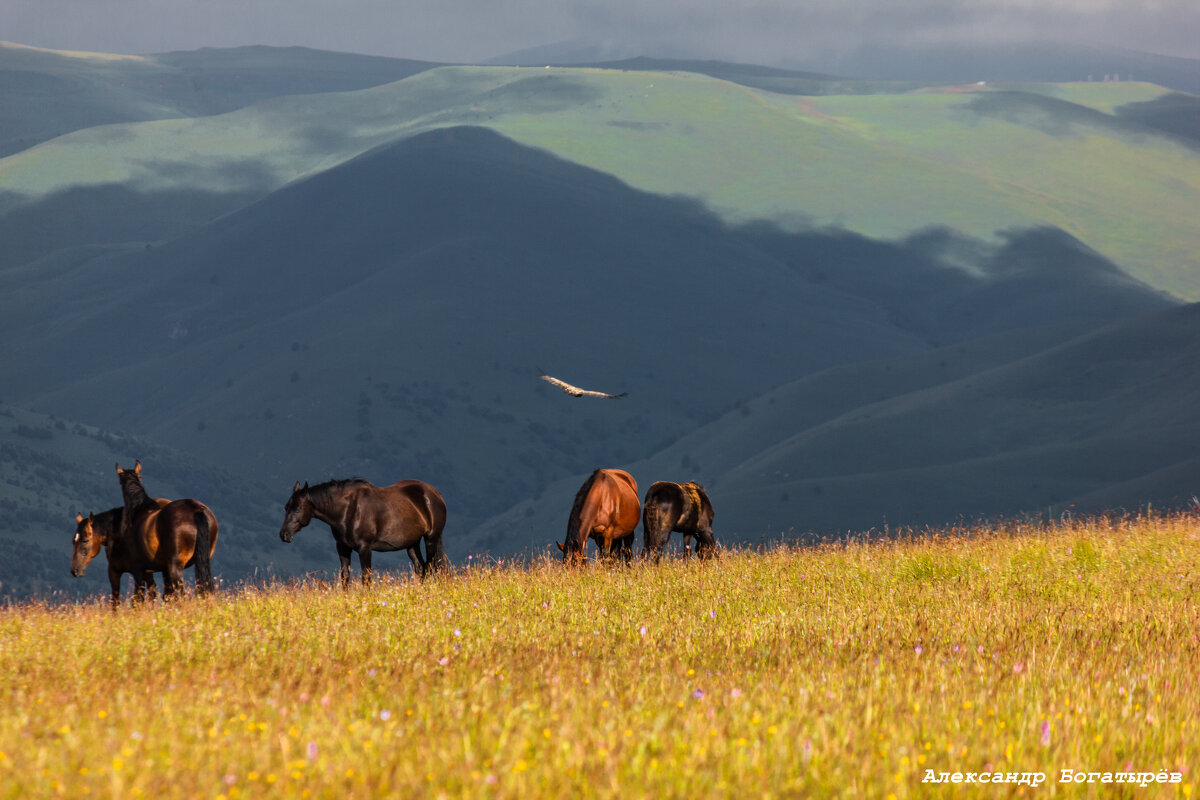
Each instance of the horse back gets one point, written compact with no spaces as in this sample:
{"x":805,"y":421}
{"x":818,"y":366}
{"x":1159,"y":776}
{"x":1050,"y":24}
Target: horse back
{"x":169,"y":531}
{"x":412,"y":500}
{"x":612,"y":501}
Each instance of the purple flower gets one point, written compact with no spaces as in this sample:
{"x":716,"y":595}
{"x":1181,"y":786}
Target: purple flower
{"x":807,"y":755}
{"x":457,"y":632}
{"x":712,"y":614}
{"x":698,"y":694}
{"x":312,"y":751}
{"x":918,"y":649}
{"x":443,"y":661}
{"x":735,"y":692}
{"x":1045,"y":733}
{"x":642,"y":630}
{"x":385,"y":714}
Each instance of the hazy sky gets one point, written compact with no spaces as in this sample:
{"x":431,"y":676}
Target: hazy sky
{"x":761,"y":31}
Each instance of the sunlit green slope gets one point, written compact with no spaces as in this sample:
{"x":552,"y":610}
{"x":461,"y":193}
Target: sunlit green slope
{"x":977,"y":160}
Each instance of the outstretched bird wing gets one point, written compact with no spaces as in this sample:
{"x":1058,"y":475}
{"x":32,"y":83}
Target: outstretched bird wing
{"x":575,"y":391}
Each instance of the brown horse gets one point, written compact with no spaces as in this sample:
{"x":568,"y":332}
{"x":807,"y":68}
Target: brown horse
{"x":168,"y":538}
{"x":366,"y":518}
{"x":103,"y":531}
{"x":606,"y":509}
{"x":682,"y":507}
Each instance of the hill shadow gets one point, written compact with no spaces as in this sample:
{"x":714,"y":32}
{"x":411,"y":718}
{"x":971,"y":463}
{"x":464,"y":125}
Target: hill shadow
{"x":384,"y":318}
{"x":1172,"y":116}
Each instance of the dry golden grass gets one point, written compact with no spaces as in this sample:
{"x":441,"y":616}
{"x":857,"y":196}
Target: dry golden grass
{"x":838,"y":670}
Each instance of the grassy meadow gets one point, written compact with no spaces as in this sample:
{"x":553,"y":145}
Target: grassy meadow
{"x":843,"y":669}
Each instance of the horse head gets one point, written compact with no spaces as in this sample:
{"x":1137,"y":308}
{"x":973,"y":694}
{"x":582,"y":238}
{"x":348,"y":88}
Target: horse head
{"x":87,"y":544}
{"x":573,"y":553}
{"x":297,"y":513}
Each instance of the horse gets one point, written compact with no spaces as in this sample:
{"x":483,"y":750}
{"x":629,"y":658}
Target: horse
{"x":606,"y":509}
{"x":167,"y":538}
{"x":366,"y":518}
{"x":682,"y":507}
{"x":103,"y":531}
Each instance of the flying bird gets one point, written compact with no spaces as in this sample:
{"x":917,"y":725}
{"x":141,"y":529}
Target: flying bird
{"x":575,"y":391}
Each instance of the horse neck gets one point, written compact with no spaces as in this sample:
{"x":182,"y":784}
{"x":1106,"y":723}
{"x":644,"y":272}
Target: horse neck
{"x":135,"y":497}
{"x":326,"y":502}
{"x":107,"y":525}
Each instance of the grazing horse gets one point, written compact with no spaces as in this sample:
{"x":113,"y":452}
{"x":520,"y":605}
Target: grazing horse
{"x":103,"y":531}
{"x":366,"y":518}
{"x":168,"y":538}
{"x":682,"y":507}
{"x":606,"y":509}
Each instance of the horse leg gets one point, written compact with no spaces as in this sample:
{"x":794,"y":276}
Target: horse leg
{"x":139,"y":589}
{"x":420,"y":565}
{"x":626,"y":551}
{"x":687,"y":545}
{"x":114,"y":581}
{"x":151,"y":587}
{"x":364,"y":561}
{"x":344,"y":551}
{"x":172,"y":581}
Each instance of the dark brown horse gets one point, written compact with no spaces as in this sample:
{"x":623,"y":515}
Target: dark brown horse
{"x":682,"y":507}
{"x":606,"y":509}
{"x":102,"y":531}
{"x":366,"y":518}
{"x":168,"y":538}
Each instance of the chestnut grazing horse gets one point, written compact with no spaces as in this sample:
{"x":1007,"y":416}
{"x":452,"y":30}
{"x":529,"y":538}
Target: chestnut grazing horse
{"x":366,"y":518}
{"x":606,"y":509}
{"x":103,"y":531}
{"x":167,"y":538}
{"x":682,"y":507}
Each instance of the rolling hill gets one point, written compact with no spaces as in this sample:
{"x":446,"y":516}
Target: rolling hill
{"x":844,"y":297}
{"x":48,"y":93}
{"x":998,"y":426}
{"x":1080,"y":157}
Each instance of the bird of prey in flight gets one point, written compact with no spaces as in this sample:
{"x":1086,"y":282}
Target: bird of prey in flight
{"x":575,"y":391}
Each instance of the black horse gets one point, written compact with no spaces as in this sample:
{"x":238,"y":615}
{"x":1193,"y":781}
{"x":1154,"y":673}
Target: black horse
{"x":366,"y":518}
{"x":682,"y":507}
{"x":167,"y":536}
{"x":103,"y":531}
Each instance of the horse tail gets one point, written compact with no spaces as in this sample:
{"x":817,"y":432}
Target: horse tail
{"x":203,"y":553}
{"x":435,"y":552}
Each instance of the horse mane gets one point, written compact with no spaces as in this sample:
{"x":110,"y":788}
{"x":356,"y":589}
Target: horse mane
{"x":138,"y":498}
{"x":112,"y":521}
{"x":577,"y":508}
{"x":323,"y":492}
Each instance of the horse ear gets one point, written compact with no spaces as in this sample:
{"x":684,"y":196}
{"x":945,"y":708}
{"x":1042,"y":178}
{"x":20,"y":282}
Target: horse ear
{"x":118,"y":463}
{"x":137,"y":468}
{"x":296,"y":488}
{"x":91,"y":519}
{"x":560,"y":547}
{"x":306,"y":484}
{"x":78,"y":518}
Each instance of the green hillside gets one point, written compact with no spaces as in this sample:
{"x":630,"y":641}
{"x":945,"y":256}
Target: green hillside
{"x":998,"y":426}
{"x":385,"y":318}
{"x":976,"y":160}
{"x":794,"y":290}
{"x":52,"y":468}
{"x":48,"y":93}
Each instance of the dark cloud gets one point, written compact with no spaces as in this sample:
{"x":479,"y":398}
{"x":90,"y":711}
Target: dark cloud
{"x":763,"y":31}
